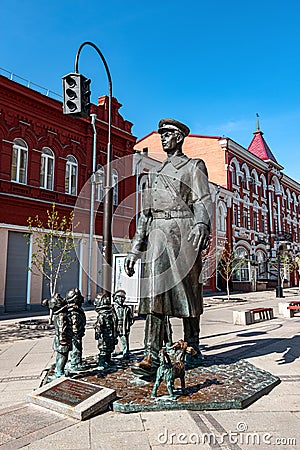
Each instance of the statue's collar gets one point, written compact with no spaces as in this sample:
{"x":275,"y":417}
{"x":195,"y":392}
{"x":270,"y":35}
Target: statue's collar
{"x":176,"y":160}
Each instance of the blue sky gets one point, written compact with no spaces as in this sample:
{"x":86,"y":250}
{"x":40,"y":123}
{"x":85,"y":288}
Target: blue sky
{"x":213,"y":65}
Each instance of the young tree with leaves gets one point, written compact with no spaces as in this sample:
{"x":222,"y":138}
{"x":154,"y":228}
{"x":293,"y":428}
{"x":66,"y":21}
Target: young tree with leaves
{"x":53,"y":245}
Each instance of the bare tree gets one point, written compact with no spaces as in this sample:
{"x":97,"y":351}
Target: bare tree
{"x":297,"y":267}
{"x":284,"y":265}
{"x":228,"y":265}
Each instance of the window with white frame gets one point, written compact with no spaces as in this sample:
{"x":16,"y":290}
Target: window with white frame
{"x":235,"y":215}
{"x":246,"y":176}
{"x":255,"y":221}
{"x":276,"y":219}
{"x":233,"y":174}
{"x":245,"y":218}
{"x":222,"y":211}
{"x":71,"y":175}
{"x":264,"y":215}
{"x":242,"y":272}
{"x":261,"y":259}
{"x":115,"y":180}
{"x":47,"y":169}
{"x":254,"y":181}
{"x":19,"y":161}
{"x":99,"y":180}
{"x":263,"y":186}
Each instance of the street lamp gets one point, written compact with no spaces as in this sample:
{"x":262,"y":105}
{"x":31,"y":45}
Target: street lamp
{"x":68,"y":108}
{"x":279,"y":290}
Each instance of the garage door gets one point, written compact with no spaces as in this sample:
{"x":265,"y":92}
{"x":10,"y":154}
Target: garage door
{"x":16,"y":272}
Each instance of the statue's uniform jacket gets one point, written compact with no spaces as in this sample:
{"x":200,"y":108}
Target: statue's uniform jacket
{"x":176,"y":198}
{"x":105,"y":328}
{"x":78,"y":321}
{"x":124,"y":319}
{"x":63,"y":332}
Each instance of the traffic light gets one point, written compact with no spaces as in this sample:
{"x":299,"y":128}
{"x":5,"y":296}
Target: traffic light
{"x":76,"y":95}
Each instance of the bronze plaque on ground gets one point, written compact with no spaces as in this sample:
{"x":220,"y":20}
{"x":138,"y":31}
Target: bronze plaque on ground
{"x":74,"y":398}
{"x":71,"y":392}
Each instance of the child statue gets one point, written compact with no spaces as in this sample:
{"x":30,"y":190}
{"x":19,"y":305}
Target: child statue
{"x":105,"y":330}
{"x":76,"y":314}
{"x":124,"y":320}
{"x":62,"y":343}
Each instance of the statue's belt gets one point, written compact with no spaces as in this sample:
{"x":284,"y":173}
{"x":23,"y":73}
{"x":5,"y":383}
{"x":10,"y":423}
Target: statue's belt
{"x":172,"y":214}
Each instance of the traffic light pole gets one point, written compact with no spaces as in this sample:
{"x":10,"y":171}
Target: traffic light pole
{"x":108,"y":189}
{"x":92,"y":207}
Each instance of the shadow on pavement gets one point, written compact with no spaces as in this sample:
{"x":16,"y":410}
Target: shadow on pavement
{"x":288,"y":347}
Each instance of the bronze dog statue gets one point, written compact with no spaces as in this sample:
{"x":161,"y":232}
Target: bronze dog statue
{"x":168,"y":371}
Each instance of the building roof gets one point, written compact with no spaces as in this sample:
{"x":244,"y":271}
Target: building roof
{"x":259,"y":147}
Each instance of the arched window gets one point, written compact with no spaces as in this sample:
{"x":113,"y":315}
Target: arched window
{"x":99,"y":180}
{"x":222,"y":212}
{"x":19,"y":161}
{"x":263,"y":186}
{"x":234,"y":168}
{"x":275,"y":214}
{"x":255,"y":181}
{"x":235,"y":215}
{"x":71,"y":175}
{"x":246,"y":176}
{"x":246,"y":215}
{"x":115,"y":181}
{"x":236,"y":209}
{"x":245,"y":218}
{"x":261,"y":259}
{"x":233,"y":174}
{"x":242,"y":265}
{"x":47,"y":169}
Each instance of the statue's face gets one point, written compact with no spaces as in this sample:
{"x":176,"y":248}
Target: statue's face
{"x":170,"y":140}
{"x":120,"y":300}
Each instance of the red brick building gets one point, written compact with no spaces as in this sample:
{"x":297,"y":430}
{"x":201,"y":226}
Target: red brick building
{"x":46,"y":158}
{"x":257,"y":206}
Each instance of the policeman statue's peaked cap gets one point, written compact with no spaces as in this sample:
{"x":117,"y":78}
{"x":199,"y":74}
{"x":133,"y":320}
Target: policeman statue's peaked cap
{"x":172,"y":124}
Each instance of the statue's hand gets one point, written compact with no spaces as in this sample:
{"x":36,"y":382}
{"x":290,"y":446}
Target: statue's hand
{"x":129,"y":264}
{"x":199,"y":236}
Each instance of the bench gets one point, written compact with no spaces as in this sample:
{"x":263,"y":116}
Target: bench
{"x":251,"y":316}
{"x":260,"y":314}
{"x":288,"y":309}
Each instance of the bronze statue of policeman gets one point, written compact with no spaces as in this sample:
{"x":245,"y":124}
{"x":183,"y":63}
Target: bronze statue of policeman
{"x":173,"y":229}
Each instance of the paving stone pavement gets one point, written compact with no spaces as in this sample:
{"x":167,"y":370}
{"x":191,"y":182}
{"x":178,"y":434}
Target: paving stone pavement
{"x":273,"y":421}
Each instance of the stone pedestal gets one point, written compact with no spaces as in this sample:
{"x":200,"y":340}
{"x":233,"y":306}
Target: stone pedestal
{"x":242,"y":318}
{"x":72,"y":397}
{"x":284,"y":311}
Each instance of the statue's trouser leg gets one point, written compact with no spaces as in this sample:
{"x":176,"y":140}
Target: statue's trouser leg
{"x":168,"y":332}
{"x":154,"y":334}
{"x":61,"y":361}
{"x":76,"y":355}
{"x":125,"y":344}
{"x":191,"y":330}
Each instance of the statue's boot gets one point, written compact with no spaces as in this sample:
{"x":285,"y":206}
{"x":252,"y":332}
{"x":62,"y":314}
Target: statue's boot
{"x":146,"y":367}
{"x":153,"y":340}
{"x":191,"y":327}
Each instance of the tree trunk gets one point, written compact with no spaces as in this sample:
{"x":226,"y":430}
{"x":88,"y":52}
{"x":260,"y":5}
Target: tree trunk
{"x":228,"y":291}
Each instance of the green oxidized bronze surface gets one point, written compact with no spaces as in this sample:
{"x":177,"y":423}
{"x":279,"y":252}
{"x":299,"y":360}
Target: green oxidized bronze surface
{"x":217,"y":384}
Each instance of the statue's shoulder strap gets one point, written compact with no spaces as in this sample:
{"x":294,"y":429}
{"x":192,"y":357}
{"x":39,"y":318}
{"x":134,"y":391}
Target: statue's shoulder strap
{"x":200,"y":164}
